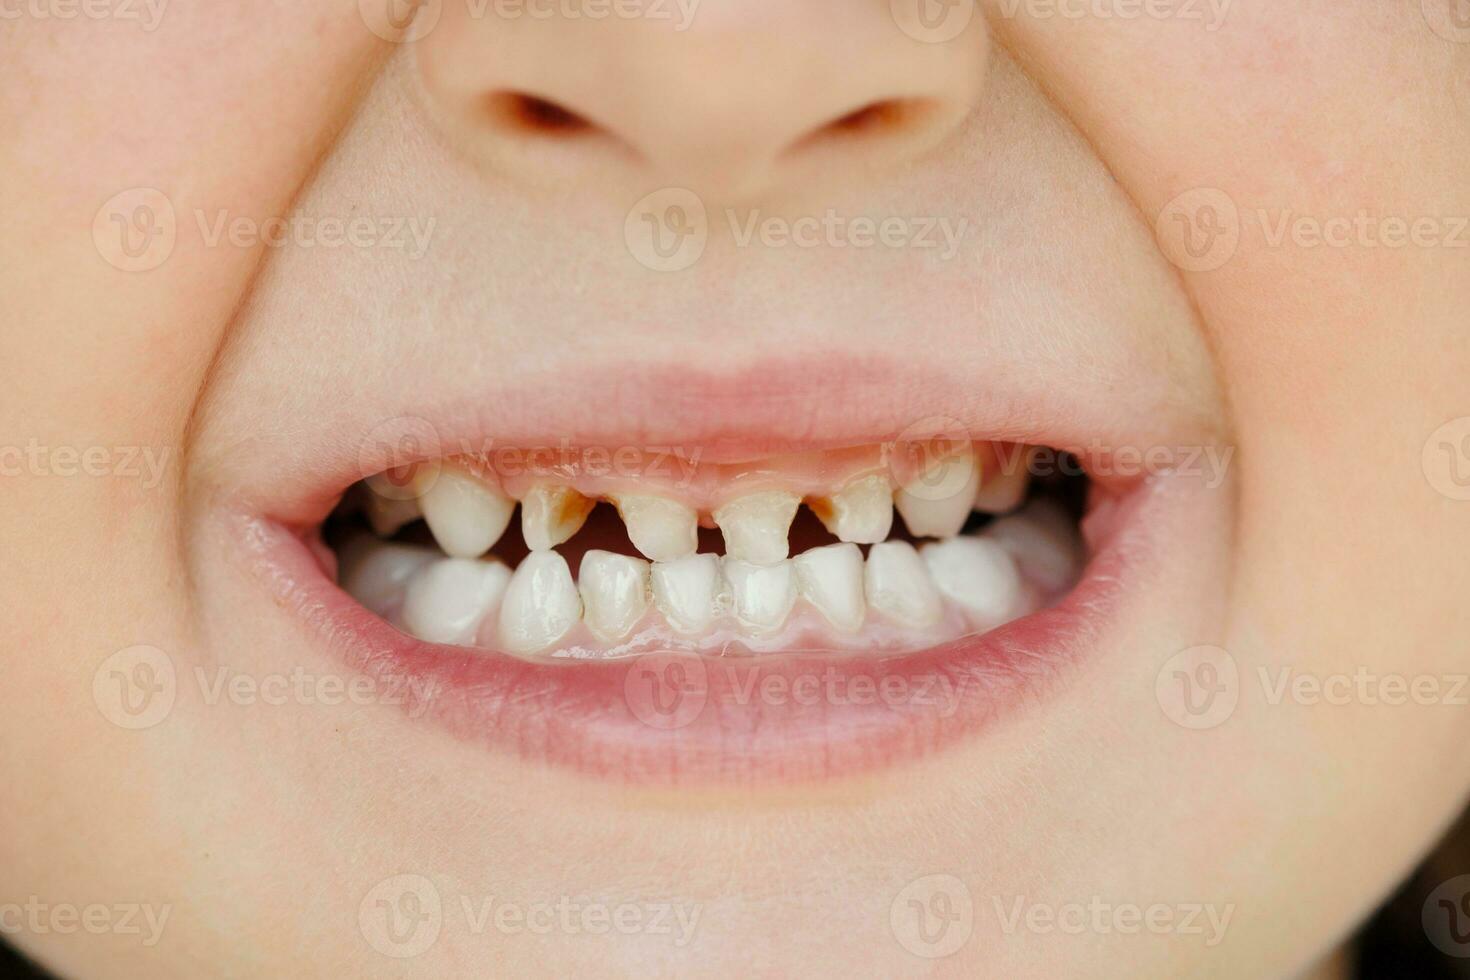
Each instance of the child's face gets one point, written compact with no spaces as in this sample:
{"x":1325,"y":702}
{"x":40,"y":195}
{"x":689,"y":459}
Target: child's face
{"x":1218,"y":251}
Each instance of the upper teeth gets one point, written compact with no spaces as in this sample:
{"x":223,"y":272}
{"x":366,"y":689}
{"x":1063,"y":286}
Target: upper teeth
{"x":551,"y":515}
{"x":971,"y":581}
{"x":756,"y":526}
{"x":937,"y":502}
{"x":660,"y":528}
{"x":861,"y":512}
{"x":466,"y":514}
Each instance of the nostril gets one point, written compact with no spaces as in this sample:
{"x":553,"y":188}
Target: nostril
{"x":885,"y":117}
{"x":875,"y":115}
{"x":533,"y":114}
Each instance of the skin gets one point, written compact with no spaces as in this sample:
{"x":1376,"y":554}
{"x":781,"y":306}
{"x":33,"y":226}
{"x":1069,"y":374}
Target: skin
{"x":1330,"y":548}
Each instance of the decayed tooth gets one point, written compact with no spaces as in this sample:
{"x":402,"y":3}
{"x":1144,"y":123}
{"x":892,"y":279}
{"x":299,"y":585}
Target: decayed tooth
{"x":897,"y":584}
{"x":1002,"y":491}
{"x":388,"y":507}
{"x":447,"y":598}
{"x":756,"y":525}
{"x":1043,"y":541}
{"x":375,"y":572}
{"x":687,"y":591}
{"x":466,"y":514}
{"x":979,"y":575}
{"x":614,"y":592}
{"x":831,"y":579}
{"x":541,"y":603}
{"x":551,"y":515}
{"x":761,"y":594}
{"x":936,"y":503}
{"x":660,"y":528}
{"x":861,"y":512}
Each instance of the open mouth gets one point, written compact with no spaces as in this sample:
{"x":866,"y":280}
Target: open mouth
{"x":668,"y":617}
{"x":551,"y":555}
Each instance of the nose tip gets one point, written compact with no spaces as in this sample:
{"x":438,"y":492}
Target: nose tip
{"x":733,"y":98}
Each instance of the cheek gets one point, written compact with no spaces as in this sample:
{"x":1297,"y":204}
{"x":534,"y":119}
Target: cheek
{"x":158,"y":160}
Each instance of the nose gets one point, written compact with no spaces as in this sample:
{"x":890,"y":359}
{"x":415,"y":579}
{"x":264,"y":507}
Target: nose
{"x":732,"y":98}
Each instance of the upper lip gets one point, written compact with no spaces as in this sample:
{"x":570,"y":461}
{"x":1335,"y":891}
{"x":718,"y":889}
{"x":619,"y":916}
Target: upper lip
{"x":752,"y":411}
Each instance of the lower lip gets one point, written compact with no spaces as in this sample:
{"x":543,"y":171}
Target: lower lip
{"x":680,"y":720}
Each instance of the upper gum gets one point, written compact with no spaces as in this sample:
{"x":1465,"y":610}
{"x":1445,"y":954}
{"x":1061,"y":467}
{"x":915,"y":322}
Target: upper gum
{"x":701,"y":485}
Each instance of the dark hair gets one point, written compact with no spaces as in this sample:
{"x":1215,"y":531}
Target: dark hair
{"x":1396,"y":942}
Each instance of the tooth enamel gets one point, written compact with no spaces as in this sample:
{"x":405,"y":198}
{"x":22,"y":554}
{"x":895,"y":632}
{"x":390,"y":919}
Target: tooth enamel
{"x":936,"y":503}
{"x":687,"y":591}
{"x":614,"y":591}
{"x":761,"y":595}
{"x":831,"y":579}
{"x":551,"y":515}
{"x":541,"y":603}
{"x":979,"y":575}
{"x":756,"y":526}
{"x":861,"y":512}
{"x":466,"y":515}
{"x":662,"y":529}
{"x":1002,"y":491}
{"x":896,"y":583}
{"x":447,"y":598}
{"x":1043,"y":541}
{"x":375,"y":572}
{"x":386,"y":506}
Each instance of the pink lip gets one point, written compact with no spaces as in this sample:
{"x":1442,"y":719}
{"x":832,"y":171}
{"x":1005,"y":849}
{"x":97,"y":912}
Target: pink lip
{"x":660,"y":720}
